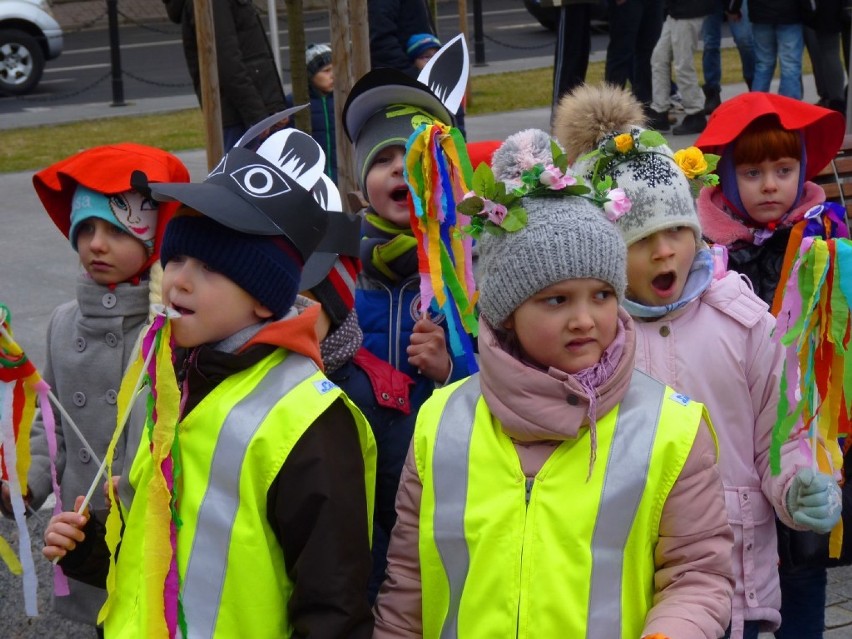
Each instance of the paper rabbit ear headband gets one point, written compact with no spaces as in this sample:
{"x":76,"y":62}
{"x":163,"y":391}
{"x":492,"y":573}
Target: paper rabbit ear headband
{"x":438,"y":89}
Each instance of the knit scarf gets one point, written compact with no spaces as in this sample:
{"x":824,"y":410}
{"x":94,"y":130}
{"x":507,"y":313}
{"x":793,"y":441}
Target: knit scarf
{"x":388,"y":251}
{"x":699,"y":279}
{"x":341,"y":344}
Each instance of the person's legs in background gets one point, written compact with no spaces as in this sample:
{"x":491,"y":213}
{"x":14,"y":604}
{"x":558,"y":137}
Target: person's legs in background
{"x":791,"y":44}
{"x":685,"y":36}
{"x":765,"y":52}
{"x":650,"y":27}
{"x":661,"y":79}
{"x":624,"y":30}
{"x":573,"y":43}
{"x":741,"y":32}
{"x":711,"y":61}
{"x":802,"y":602}
{"x":829,"y":74}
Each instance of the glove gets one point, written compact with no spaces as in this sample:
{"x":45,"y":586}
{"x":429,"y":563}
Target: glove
{"x":814,"y":500}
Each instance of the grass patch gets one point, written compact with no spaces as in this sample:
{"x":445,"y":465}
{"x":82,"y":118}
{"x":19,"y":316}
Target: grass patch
{"x":37,"y":147}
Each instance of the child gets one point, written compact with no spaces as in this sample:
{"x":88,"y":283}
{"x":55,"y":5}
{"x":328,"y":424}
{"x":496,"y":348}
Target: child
{"x":770,"y":146}
{"x":116,"y":232}
{"x":509,"y":523}
{"x":711,"y":338}
{"x":421,"y":47}
{"x":678,"y":43}
{"x":381,"y":113}
{"x":274,"y":489}
{"x":321,"y":91}
{"x":374,"y":386}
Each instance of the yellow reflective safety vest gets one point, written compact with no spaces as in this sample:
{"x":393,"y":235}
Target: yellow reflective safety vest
{"x":232,"y":573}
{"x":563,"y":555}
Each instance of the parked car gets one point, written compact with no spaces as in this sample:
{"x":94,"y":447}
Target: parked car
{"x":548,"y":15}
{"x":29,"y":36}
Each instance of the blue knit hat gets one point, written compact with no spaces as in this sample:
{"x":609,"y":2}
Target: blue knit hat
{"x":420,"y":42}
{"x":267,"y":267}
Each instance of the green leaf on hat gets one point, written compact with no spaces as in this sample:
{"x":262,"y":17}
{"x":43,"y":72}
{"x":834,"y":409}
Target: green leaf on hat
{"x":650,"y":139}
{"x":515,"y":220}
{"x":470,"y":206}
{"x":712,"y":161}
{"x":483,"y":181}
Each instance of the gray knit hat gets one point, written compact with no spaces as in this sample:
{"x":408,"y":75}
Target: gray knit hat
{"x":316,"y":57}
{"x":390,"y":126}
{"x":565,"y":238}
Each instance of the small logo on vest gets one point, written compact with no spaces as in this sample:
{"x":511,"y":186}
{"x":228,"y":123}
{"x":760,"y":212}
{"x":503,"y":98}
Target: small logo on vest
{"x":680,"y":398}
{"x":324,"y":385}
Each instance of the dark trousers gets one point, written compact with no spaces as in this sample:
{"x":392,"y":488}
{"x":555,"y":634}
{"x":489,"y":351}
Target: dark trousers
{"x":573,"y":43}
{"x":634,"y":27}
{"x":802,"y":602}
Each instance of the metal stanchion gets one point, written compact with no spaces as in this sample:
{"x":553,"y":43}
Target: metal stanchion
{"x":115,"y":55}
{"x":478,"y":40}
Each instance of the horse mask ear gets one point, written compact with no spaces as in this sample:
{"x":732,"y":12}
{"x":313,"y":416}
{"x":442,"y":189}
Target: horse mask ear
{"x":447,"y":72}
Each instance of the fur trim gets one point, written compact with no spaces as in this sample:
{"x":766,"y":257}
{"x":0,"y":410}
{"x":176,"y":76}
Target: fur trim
{"x":589,"y":112}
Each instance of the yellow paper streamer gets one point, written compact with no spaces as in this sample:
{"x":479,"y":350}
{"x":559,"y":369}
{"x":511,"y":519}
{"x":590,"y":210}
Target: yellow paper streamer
{"x":10,"y":558}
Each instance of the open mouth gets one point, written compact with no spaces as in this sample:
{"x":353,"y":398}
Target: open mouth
{"x":399,"y":194}
{"x":663,"y":282}
{"x":183,"y":311}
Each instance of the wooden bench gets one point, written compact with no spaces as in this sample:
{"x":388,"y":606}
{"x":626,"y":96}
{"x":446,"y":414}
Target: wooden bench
{"x":836,"y":178}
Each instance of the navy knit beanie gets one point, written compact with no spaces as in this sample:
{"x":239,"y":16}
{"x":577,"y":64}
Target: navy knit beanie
{"x":267,"y":267}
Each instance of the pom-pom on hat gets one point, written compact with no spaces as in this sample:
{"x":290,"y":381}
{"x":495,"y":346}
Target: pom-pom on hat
{"x":821,"y":128}
{"x":639,"y":160}
{"x":420,"y":43}
{"x":316,"y":57}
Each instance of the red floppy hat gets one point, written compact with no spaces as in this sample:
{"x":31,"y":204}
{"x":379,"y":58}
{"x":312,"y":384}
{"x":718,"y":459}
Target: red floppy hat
{"x":822,"y":129}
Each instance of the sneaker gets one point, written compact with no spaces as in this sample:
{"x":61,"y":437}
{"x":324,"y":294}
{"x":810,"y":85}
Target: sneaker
{"x":657,"y":120}
{"x":692,"y":123}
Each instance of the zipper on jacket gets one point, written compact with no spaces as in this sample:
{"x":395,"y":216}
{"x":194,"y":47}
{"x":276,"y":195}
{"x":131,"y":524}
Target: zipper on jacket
{"x":528,"y":486}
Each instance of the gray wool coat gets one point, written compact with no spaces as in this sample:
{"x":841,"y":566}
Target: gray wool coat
{"x":89,"y":343}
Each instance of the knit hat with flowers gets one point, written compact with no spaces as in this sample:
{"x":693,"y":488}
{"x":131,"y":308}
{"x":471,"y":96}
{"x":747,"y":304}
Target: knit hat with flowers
{"x":603,"y":128}
{"x":564,"y":238}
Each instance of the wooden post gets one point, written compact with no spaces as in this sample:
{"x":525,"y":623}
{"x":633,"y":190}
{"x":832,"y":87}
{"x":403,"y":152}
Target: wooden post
{"x":463,"y":30}
{"x":350,"y":52}
{"x":298,"y":71}
{"x":209,"y":71}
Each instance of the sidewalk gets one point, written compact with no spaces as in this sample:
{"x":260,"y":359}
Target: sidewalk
{"x":43,"y":271}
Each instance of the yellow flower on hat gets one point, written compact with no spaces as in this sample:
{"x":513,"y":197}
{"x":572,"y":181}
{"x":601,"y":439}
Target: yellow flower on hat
{"x":623,"y":142}
{"x":691,"y":161}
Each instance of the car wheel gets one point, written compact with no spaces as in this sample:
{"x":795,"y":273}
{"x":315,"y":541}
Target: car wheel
{"x":21,"y":62}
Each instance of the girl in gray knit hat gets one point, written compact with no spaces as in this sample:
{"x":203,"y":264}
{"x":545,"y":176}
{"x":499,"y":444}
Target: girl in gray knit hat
{"x":558,"y":492}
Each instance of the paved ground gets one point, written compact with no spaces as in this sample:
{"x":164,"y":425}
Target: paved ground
{"x":38,"y":273}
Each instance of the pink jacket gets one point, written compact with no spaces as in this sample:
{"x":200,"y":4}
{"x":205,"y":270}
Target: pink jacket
{"x":717,"y":350}
{"x":693,"y":579}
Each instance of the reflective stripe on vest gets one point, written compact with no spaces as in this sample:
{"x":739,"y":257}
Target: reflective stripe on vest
{"x":624,"y":483}
{"x":233,"y":445}
{"x":205,"y":572}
